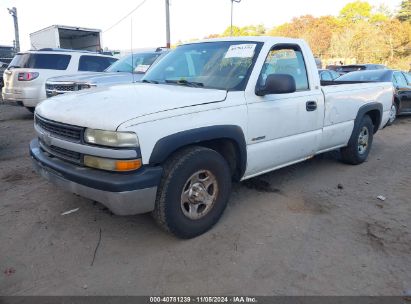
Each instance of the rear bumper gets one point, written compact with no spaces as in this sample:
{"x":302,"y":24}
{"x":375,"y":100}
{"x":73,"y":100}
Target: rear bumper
{"x":27,"y":97}
{"x":123,"y":194}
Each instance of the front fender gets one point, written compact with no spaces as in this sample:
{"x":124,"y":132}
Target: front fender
{"x":171,"y":143}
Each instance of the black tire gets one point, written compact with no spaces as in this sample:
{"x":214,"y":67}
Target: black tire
{"x":31,"y":109}
{"x":178,"y":171}
{"x":394,"y":108}
{"x":355,"y":153}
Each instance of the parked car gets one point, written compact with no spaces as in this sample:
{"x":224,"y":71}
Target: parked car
{"x":344,"y":69}
{"x":25,"y":77}
{"x":328,"y":75}
{"x":128,"y":69}
{"x":210,"y":112}
{"x":402,"y":87}
{"x":3,"y":67}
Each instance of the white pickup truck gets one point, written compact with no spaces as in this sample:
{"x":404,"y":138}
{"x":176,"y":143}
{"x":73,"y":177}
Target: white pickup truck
{"x":208,"y":113}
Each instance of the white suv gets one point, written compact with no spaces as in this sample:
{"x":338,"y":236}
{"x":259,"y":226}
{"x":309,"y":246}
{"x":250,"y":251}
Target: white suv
{"x":25,"y":77}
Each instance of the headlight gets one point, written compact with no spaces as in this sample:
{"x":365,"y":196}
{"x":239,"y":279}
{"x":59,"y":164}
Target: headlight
{"x":82,"y":86}
{"x":111,"y":139}
{"x":112,"y":164}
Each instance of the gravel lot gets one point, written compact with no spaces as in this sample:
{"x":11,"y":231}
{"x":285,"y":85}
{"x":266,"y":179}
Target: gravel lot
{"x":316,"y":228}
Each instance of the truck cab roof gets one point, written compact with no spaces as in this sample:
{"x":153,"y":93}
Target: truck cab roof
{"x":264,"y":39}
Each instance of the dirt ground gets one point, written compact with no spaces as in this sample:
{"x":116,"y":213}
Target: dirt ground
{"x":315,"y":228}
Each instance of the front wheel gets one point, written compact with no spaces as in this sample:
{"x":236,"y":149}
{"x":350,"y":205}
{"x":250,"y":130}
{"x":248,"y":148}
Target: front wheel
{"x":193,"y":192}
{"x":360,"y":142}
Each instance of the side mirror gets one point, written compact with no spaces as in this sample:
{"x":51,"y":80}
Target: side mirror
{"x":277,"y":84}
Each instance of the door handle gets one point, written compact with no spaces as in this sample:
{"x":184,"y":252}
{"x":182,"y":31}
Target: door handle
{"x":311,"y":106}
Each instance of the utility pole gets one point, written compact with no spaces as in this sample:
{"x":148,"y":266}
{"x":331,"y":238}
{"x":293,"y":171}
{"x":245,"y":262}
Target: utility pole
{"x":168,"y":44}
{"x":232,"y":4}
{"x":13,"y":12}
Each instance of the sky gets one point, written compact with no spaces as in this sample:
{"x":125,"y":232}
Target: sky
{"x":189,"y":18}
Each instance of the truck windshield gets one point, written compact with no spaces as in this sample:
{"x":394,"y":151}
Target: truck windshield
{"x":40,"y":61}
{"x":224,"y":65}
{"x":138,"y":63}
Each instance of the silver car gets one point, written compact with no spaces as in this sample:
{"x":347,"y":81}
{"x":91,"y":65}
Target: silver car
{"x":128,"y":69}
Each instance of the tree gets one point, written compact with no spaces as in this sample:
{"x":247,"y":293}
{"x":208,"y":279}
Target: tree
{"x":356,"y":11}
{"x":361,"y":33}
{"x":405,"y":11}
{"x":316,"y":31}
{"x":249,"y":30}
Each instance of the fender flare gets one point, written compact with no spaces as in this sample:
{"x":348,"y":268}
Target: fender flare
{"x":165,"y":146}
{"x":367,"y":108}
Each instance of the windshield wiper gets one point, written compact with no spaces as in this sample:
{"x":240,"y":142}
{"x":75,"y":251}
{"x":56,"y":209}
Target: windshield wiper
{"x":13,"y":66}
{"x":149,"y":81}
{"x":186,"y":83}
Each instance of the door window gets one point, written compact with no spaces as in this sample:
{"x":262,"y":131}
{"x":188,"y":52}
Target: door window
{"x":286,"y":60}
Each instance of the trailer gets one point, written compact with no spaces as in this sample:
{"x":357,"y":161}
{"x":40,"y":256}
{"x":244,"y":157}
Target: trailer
{"x":67,"y":37}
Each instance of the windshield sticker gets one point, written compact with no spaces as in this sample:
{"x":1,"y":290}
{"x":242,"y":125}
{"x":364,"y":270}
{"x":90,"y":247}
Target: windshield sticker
{"x":240,"y":51}
{"x":142,"y":68}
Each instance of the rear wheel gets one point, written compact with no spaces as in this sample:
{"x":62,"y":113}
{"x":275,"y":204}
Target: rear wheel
{"x":360,"y":142}
{"x":193,"y":193}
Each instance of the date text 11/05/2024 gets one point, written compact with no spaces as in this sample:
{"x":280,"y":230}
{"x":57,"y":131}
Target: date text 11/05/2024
{"x":201,"y":299}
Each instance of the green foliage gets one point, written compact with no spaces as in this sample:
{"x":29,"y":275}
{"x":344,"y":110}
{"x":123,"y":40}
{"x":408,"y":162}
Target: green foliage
{"x":356,"y":11}
{"x":249,"y":30}
{"x":405,"y":11}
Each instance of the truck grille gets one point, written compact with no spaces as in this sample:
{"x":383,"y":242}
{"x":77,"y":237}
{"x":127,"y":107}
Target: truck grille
{"x":60,"y":130}
{"x":57,"y":89}
{"x":65,"y":153}
{"x":61,"y":153}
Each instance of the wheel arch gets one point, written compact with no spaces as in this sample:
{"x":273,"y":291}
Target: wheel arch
{"x":374,"y":110}
{"x":228,"y":140}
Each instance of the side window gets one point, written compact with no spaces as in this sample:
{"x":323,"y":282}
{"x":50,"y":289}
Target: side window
{"x":326,"y":76}
{"x":286,"y":60}
{"x":46,"y":61}
{"x":400,"y":79}
{"x":94,"y":63}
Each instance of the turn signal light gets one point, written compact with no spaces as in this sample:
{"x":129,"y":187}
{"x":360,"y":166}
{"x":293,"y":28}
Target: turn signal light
{"x":128,"y":165}
{"x":109,"y":164}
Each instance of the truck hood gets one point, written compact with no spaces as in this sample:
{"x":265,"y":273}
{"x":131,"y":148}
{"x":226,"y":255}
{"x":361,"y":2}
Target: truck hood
{"x":107,"y":107}
{"x":99,"y":78}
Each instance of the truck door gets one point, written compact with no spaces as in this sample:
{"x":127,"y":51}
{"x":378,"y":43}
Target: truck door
{"x":284,"y":128}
